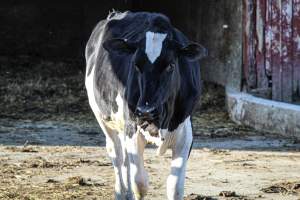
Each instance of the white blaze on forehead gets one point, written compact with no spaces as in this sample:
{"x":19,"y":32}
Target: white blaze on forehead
{"x":154,"y":45}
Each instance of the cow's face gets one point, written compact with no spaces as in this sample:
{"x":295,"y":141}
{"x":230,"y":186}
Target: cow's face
{"x":155,"y":60}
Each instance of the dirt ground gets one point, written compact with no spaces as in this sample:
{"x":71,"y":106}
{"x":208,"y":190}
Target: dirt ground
{"x":51,"y":146}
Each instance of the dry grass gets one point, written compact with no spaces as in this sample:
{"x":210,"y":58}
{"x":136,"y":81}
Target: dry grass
{"x":18,"y":180}
{"x":211,"y":118}
{"x":284,"y":188}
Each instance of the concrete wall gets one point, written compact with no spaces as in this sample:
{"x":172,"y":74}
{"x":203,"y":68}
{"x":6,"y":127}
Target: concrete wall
{"x":265,"y":115}
{"x":219,"y":28}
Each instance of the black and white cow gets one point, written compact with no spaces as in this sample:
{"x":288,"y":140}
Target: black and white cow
{"x":143,"y":81}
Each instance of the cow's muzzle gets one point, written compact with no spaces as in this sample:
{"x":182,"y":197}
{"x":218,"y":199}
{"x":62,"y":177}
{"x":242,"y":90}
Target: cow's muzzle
{"x":146,"y":113}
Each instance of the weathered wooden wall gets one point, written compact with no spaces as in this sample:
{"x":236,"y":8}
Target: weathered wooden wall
{"x":272,"y":48}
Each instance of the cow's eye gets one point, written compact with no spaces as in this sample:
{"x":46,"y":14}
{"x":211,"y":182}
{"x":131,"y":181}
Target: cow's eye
{"x":137,"y":68}
{"x":170,"y":67}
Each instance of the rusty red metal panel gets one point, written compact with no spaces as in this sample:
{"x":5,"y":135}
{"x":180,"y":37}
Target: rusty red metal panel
{"x":248,"y":44}
{"x":287,"y":50}
{"x":296,"y":47}
{"x":276,"y":50}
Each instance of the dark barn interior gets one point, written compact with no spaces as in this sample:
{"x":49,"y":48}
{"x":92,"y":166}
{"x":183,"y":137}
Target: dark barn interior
{"x":42,"y":48}
{"x":58,"y":30}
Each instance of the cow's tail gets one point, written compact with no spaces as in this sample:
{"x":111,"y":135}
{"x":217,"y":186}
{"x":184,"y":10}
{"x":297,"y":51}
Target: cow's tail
{"x":191,"y":148}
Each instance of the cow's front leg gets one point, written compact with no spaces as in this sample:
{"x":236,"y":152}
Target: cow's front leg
{"x":181,"y":145}
{"x":116,"y":150}
{"x":135,"y":146}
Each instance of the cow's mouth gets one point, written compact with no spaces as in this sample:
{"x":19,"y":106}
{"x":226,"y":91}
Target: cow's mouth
{"x":151,"y":127}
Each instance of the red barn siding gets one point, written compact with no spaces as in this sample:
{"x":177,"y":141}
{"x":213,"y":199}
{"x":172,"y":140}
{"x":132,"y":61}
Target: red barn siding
{"x":296,"y":47}
{"x":272,"y":46}
{"x":248,"y":44}
{"x":275,"y":34}
{"x":287,"y":50}
{"x":262,"y":80}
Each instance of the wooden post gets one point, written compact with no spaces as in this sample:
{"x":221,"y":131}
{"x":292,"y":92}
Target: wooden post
{"x":296,"y":48}
{"x":287,"y":50}
{"x":262,"y":80}
{"x":268,"y":37}
{"x":248,"y":44}
{"x":276,"y":50}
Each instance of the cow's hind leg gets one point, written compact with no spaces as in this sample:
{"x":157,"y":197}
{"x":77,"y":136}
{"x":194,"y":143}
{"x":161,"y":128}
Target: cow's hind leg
{"x":135,"y":146}
{"x":180,"y":153}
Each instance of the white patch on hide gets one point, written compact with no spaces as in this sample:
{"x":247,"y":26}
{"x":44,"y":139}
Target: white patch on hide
{"x":150,"y":139}
{"x":89,"y":84}
{"x":117,"y":119}
{"x":154,"y":45}
{"x":89,"y":79}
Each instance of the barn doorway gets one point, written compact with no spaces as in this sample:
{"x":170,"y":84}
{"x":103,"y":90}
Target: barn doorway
{"x":56,"y":30}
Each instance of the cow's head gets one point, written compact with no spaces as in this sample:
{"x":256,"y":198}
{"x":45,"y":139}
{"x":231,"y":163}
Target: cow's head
{"x":155,"y":60}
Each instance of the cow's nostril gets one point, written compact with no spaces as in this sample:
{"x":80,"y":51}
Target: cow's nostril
{"x":146,"y":112}
{"x":145,"y":109}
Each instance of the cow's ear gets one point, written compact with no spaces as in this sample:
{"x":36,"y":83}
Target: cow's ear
{"x":119,"y":46}
{"x":193,"y":51}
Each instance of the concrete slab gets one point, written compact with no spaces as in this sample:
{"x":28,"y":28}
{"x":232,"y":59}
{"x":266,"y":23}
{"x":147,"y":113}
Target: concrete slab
{"x":262,"y":114}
